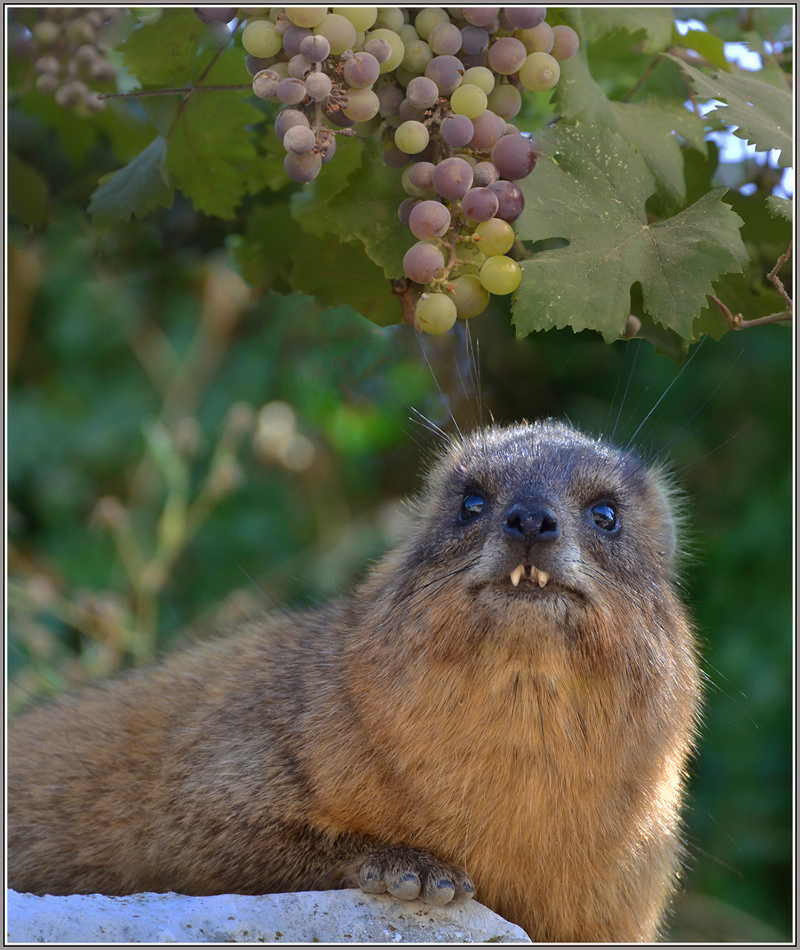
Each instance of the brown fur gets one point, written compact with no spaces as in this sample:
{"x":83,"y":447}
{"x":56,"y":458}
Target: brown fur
{"x":536,"y":737}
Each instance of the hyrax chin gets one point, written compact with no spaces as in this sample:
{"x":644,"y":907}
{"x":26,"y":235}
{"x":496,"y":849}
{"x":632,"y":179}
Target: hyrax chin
{"x":504,"y":707}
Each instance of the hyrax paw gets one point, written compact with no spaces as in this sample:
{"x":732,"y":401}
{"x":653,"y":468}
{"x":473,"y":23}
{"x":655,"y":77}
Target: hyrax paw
{"x":408,"y":873}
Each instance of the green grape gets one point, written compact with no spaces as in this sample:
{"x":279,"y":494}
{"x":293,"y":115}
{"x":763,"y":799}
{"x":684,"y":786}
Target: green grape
{"x":505,"y":100}
{"x":362,"y":18}
{"x":480,"y":76}
{"x":435,"y":313}
{"x":539,"y":72}
{"x":539,"y":39}
{"x":416,"y":57}
{"x":306,"y":16}
{"x":470,"y":296}
{"x":496,"y":237}
{"x":260,"y":38}
{"x":468,"y":100}
{"x":428,"y":18}
{"x":362,"y":105}
{"x":500,"y":275}
{"x":398,"y":48}
{"x":411,"y":137}
{"x":338,"y":31}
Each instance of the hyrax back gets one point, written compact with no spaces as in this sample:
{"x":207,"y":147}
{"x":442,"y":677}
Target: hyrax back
{"x":509,"y":699}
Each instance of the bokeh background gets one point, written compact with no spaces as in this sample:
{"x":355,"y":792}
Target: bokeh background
{"x":183,"y":450}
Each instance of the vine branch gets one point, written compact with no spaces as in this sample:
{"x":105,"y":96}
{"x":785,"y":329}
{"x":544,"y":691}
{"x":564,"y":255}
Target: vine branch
{"x":141,"y":93}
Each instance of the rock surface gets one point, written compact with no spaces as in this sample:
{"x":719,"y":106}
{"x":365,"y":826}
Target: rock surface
{"x":315,"y":916}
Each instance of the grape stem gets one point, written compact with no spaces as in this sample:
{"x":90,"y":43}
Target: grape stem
{"x":737,"y":322}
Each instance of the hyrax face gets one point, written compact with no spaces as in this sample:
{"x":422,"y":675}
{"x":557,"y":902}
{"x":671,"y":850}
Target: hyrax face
{"x":541,"y":515}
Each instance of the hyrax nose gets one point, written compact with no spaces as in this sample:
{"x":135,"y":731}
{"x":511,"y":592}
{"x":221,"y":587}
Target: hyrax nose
{"x":530,"y":524}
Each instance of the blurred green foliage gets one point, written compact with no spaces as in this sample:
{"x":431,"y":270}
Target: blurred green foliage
{"x":184,"y":450}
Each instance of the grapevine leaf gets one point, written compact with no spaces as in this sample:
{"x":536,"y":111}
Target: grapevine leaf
{"x":214,"y":178}
{"x":343,"y":274}
{"x":762,"y":113}
{"x":366,"y":211}
{"x":590,"y":188}
{"x":705,"y":44}
{"x":277,"y":254}
{"x":135,"y":189}
{"x":647,"y":124}
{"x":654,"y":25}
{"x":780,"y":207}
{"x":163,"y":53}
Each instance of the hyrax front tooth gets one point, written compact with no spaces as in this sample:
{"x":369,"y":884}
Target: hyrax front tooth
{"x":543,"y":578}
{"x":517,"y":574}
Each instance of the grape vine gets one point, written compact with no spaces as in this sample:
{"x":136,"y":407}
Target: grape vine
{"x":439,"y":91}
{"x":451,"y":155}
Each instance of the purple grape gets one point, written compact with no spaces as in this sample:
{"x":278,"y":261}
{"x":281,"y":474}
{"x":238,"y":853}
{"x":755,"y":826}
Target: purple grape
{"x":428,"y":220}
{"x":506,"y":55}
{"x":409,"y":112}
{"x":293,"y":37}
{"x":524,"y":18}
{"x":480,"y":204}
{"x":254,"y":64}
{"x":291,"y":91}
{"x":302,"y":168}
{"x":215,"y":14}
{"x":422,"y":262}
{"x":405,"y":209}
{"x":389,"y":98}
{"x":299,"y":139}
{"x":287,"y":119}
{"x":480,"y":16}
{"x":488,"y":129}
{"x":394,"y":158}
{"x":422,"y":92}
{"x":315,"y":48}
{"x":483,"y":174}
{"x":474,"y":39}
{"x":457,"y":130}
{"x":447,"y":72}
{"x":361,"y":70}
{"x":421,"y":174}
{"x":514,"y":156}
{"x":510,"y":198}
{"x":452,"y":178}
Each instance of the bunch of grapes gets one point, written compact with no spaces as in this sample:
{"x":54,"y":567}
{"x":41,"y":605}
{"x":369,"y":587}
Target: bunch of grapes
{"x":67,"y":47}
{"x":439,"y":87}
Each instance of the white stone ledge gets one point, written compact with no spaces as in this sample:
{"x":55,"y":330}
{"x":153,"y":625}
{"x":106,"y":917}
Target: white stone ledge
{"x":316,"y":916}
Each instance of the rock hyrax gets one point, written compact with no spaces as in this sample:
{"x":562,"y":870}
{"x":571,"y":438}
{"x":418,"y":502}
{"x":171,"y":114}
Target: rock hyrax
{"x":505,"y":706}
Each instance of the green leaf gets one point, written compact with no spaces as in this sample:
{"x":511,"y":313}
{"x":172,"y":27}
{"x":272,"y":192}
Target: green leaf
{"x":705,"y":44}
{"x":654,"y":26}
{"x":780,"y":207}
{"x":590,"y":188}
{"x":647,"y":124}
{"x":366,"y":211}
{"x":133,"y":190}
{"x":163,"y":53}
{"x":27,"y":193}
{"x":277,"y":254}
{"x":762,"y":113}
{"x":209,"y":150}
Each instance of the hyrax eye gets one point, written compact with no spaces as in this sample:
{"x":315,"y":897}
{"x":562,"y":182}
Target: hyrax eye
{"x":472,"y":505}
{"x":604,"y":515}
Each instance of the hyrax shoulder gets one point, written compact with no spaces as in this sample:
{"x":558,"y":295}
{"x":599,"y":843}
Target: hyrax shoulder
{"x":505,"y":706}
